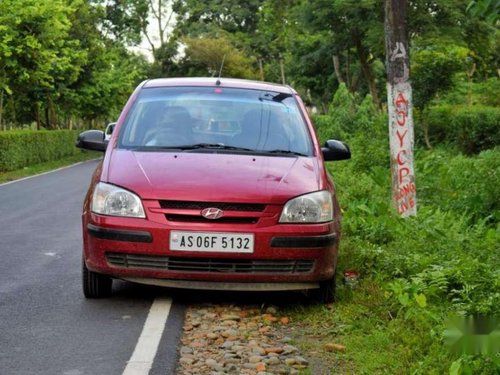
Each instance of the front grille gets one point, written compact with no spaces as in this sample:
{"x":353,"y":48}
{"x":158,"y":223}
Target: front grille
{"x":211,"y":265}
{"x":188,"y":205}
{"x":201,"y":219}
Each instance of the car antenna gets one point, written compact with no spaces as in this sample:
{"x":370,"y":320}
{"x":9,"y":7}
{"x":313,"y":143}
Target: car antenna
{"x":220,"y":70}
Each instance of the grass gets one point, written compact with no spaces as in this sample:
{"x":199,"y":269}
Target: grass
{"x":48,"y":166}
{"x":375,"y":342}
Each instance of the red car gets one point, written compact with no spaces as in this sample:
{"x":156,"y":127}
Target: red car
{"x":212,"y":183}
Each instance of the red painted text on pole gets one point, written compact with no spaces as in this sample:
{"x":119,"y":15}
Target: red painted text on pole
{"x":401,"y":137}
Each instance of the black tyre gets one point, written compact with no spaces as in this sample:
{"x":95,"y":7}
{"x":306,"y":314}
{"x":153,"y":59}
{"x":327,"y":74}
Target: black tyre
{"x":94,"y":284}
{"x":325,"y":293}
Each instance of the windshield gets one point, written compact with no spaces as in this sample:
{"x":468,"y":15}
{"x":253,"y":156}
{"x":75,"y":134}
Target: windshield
{"x":201,"y":118}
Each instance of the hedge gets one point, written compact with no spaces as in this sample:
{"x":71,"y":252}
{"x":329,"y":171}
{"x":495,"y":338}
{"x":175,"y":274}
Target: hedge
{"x":471,"y":128}
{"x":22,"y":148}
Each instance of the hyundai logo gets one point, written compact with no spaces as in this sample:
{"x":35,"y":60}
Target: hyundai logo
{"x":212,"y":213}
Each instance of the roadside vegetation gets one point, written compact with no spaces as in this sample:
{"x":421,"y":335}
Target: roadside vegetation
{"x":27,"y":152}
{"x":415,"y":272}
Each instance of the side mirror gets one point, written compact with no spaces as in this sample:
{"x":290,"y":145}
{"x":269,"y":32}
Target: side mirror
{"x":109,"y":130}
{"x":92,"y":140}
{"x":335,"y":150}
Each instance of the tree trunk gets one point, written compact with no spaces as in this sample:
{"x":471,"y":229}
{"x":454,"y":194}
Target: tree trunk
{"x":13,"y":113}
{"x":336,"y":66}
{"x":47,"y":118}
{"x":37,"y":116}
{"x":400,"y":105}
{"x":52,"y":122}
{"x":348,"y":70}
{"x":367,"y":71}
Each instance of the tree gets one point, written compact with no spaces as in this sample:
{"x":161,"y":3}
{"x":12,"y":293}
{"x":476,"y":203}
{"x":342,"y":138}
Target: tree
{"x":197,"y":17}
{"x":353,"y":30}
{"x":56,"y":63}
{"x":108,"y":75}
{"x":214,"y":55}
{"x":40,"y":54}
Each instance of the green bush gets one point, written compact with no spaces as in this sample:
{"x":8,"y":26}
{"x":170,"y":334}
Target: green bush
{"x":325,"y":128}
{"x":416,"y":271}
{"x":22,"y":148}
{"x":449,"y":252}
{"x":347,"y":118}
{"x":459,"y":183}
{"x":472,"y":93}
{"x":470,"y":128}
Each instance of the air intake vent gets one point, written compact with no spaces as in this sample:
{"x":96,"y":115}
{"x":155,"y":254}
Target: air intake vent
{"x":211,"y":265}
{"x":201,"y":219}
{"x":187,"y":205}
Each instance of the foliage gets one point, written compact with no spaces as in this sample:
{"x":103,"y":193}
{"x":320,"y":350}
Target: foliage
{"x":472,"y":93}
{"x":213,"y":54}
{"x":65,"y":61}
{"x":22,"y":148}
{"x":38,"y":55}
{"x":470,"y":128}
{"x":462,"y":184}
{"x":416,"y":271}
{"x":346,"y":116}
{"x":433,"y":71}
{"x":51,"y":53}
{"x":125,"y":20}
{"x":488,"y":9}
{"x":195,"y":17}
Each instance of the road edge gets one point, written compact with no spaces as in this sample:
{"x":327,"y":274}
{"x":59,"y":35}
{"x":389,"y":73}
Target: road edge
{"x":48,"y":172}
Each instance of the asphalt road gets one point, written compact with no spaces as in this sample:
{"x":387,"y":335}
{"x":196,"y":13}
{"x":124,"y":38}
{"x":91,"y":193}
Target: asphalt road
{"x":46,"y":325}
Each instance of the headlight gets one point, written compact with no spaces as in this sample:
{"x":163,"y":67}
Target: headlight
{"x":310,"y":208}
{"x":114,"y":201}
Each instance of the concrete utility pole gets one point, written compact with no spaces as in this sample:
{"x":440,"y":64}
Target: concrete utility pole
{"x":399,"y":99}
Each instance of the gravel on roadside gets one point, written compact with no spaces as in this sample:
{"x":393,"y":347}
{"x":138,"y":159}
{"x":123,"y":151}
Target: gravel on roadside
{"x":227,"y":339}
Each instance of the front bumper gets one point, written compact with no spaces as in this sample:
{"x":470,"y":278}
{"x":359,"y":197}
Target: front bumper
{"x":285,"y":257}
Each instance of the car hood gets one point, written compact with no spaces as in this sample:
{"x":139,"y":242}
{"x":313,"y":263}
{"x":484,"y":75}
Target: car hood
{"x":195,"y":176}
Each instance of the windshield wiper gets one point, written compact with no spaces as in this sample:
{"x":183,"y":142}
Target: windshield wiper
{"x":286,"y":152}
{"x":197,"y":146}
{"x":216,"y":146}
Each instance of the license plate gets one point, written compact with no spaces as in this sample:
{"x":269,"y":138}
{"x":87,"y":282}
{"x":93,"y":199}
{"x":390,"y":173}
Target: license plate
{"x":210,"y":241}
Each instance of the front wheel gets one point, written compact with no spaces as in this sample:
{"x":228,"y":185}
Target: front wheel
{"x":325,"y":293}
{"x":94,"y":284}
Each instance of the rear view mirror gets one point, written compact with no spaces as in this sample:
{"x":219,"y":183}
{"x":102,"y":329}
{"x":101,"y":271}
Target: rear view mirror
{"x":335,"y":150}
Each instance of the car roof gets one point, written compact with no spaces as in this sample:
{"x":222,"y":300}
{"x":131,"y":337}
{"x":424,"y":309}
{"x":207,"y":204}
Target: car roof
{"x":223,"y":82}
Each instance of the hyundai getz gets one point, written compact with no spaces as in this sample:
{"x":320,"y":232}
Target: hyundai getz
{"x":211,"y":183}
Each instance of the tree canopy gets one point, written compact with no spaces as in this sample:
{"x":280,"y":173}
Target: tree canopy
{"x":69,"y":62}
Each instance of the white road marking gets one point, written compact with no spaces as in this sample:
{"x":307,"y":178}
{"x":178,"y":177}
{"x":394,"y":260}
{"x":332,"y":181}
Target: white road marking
{"x":145,"y":350}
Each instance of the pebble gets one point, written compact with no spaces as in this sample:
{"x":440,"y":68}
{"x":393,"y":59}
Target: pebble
{"x":334,"y":347}
{"x":255,"y":359}
{"x":226,"y":339}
